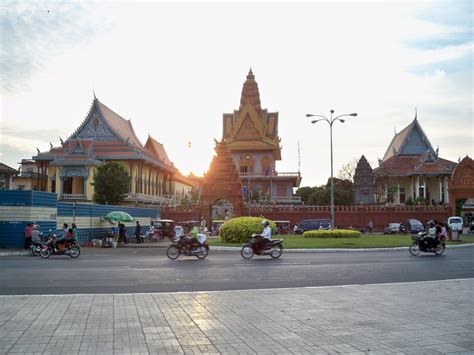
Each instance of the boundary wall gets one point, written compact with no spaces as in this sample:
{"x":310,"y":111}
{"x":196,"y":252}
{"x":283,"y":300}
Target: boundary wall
{"x":357,"y":216}
{"x":18,"y":208}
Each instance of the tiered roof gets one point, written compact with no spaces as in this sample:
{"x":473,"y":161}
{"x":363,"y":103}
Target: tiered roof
{"x":411,"y":153}
{"x":251,"y":127}
{"x":104,"y":135}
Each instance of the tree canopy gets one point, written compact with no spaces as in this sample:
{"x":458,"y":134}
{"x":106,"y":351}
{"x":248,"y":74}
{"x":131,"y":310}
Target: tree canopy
{"x":111,"y":183}
{"x":321,"y":195}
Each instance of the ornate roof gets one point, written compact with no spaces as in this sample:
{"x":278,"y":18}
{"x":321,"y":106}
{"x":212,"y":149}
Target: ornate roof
{"x":415,"y":165}
{"x":409,"y":141}
{"x":157,"y":149}
{"x":250,"y":94}
{"x":251,"y":127}
{"x":103,"y":135}
{"x":411,"y":153}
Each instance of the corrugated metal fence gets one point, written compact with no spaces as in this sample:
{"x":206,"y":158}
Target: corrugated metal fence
{"x":18,"y":208}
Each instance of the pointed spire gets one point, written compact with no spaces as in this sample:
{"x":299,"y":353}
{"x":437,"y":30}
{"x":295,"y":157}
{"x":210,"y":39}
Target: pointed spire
{"x":93,"y":92}
{"x":250,"y":93}
{"x":416,"y":114}
{"x":250,"y":74}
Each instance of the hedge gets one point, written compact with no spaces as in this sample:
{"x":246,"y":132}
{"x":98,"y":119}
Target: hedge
{"x":240,"y":229}
{"x":332,"y":233}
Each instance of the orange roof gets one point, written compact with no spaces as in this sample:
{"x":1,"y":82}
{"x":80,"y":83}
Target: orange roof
{"x":415,"y":165}
{"x":119,"y":124}
{"x":157,"y":150}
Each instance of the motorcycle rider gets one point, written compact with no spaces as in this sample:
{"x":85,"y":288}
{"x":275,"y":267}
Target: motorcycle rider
{"x":431,"y":239}
{"x":62,"y":239}
{"x":266,"y":235}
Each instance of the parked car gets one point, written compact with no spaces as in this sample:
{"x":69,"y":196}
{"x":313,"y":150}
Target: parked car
{"x":313,"y":224}
{"x":394,"y":228}
{"x":455,"y":224}
{"x":414,"y":226}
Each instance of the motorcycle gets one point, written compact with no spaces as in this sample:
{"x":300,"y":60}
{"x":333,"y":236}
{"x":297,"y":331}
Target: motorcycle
{"x":273,"y":248}
{"x":422,"y":243}
{"x":70,"y":248}
{"x":182,"y":246}
{"x":37,"y":245}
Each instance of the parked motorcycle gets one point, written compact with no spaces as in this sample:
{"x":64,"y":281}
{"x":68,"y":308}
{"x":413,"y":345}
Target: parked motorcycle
{"x":274,"y":247}
{"x":68,"y":248}
{"x":422,"y":243}
{"x":183,"y":247}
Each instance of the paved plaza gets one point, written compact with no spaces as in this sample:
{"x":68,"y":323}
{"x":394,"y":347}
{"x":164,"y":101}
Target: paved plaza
{"x":414,"y":318}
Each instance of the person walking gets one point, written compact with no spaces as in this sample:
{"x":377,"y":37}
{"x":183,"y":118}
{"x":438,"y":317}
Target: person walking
{"x":27,"y":235}
{"x":138,"y":229}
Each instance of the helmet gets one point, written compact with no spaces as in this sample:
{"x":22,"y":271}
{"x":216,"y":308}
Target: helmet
{"x":265,"y":223}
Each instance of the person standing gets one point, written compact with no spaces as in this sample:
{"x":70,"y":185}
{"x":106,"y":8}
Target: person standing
{"x":138,"y":229}
{"x":122,"y":236}
{"x":28,"y":231}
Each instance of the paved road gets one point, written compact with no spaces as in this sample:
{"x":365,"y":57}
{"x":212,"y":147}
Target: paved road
{"x":148,"y":270}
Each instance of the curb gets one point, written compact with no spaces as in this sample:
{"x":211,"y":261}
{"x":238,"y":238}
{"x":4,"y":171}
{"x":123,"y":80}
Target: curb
{"x":336,"y":250}
{"x":237,"y":249}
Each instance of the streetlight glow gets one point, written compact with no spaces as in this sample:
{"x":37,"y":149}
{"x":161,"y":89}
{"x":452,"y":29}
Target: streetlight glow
{"x":330,"y":121}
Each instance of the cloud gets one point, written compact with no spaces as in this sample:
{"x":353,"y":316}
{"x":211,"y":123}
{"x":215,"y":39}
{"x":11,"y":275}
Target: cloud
{"x":32,"y":32}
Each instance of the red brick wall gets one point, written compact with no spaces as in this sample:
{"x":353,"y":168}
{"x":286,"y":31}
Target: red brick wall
{"x":357,"y":216}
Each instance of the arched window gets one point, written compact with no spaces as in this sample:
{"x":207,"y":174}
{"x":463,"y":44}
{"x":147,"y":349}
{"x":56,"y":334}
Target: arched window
{"x":247,"y":164}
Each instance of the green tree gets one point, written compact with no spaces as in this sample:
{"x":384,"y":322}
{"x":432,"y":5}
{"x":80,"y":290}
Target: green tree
{"x":305,"y":193}
{"x":320,"y":197}
{"x":111,"y":183}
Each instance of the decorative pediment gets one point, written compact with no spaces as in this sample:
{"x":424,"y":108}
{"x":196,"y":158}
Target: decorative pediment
{"x":95,"y":127}
{"x":248,"y":124}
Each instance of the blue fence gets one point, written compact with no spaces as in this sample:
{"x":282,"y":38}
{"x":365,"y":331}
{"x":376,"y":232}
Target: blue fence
{"x":18,"y":208}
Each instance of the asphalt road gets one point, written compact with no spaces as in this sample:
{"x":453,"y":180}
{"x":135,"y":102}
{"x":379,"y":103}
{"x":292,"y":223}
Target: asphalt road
{"x":149,"y":270}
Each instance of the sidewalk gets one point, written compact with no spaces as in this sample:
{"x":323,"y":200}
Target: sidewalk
{"x":410,"y":318}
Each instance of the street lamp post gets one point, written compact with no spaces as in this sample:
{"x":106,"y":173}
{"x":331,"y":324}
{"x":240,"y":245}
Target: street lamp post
{"x":330,"y":121}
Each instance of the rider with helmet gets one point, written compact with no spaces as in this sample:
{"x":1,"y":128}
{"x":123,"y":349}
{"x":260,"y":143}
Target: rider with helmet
{"x":266,"y":234}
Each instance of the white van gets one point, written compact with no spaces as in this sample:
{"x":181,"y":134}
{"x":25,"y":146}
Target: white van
{"x":455,"y":223}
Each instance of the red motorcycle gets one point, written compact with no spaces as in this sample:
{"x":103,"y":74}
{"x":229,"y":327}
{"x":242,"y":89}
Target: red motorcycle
{"x":70,"y":248}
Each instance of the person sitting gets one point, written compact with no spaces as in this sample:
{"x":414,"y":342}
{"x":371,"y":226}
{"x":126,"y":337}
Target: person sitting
{"x":266,"y":235}
{"x":431,"y":238}
{"x":60,"y":239}
{"x":190,"y":238}
{"x":72,"y":234}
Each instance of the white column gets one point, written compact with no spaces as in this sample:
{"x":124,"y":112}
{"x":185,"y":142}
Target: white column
{"x":424,"y":187}
{"x":440,"y":183}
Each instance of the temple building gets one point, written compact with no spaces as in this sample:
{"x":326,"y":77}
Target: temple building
{"x":250,"y":134}
{"x":412,"y":170}
{"x":106,"y":136}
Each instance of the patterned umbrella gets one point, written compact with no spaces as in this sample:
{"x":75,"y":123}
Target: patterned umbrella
{"x":118,"y":216}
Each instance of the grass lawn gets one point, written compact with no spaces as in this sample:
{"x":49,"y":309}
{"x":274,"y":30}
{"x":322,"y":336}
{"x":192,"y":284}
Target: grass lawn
{"x":365,"y":241}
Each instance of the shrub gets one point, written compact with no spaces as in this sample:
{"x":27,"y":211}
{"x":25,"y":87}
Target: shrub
{"x":240,"y":229}
{"x":333,"y":233}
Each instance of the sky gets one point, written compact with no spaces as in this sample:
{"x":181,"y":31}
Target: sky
{"x":175,"y":68}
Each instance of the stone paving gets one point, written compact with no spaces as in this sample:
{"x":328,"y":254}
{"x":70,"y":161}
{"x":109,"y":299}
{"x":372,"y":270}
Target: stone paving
{"x":414,"y":318}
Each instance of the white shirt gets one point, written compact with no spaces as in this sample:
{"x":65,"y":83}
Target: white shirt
{"x":267,"y":233}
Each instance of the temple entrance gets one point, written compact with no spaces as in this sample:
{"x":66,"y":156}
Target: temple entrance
{"x":221,"y":210}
